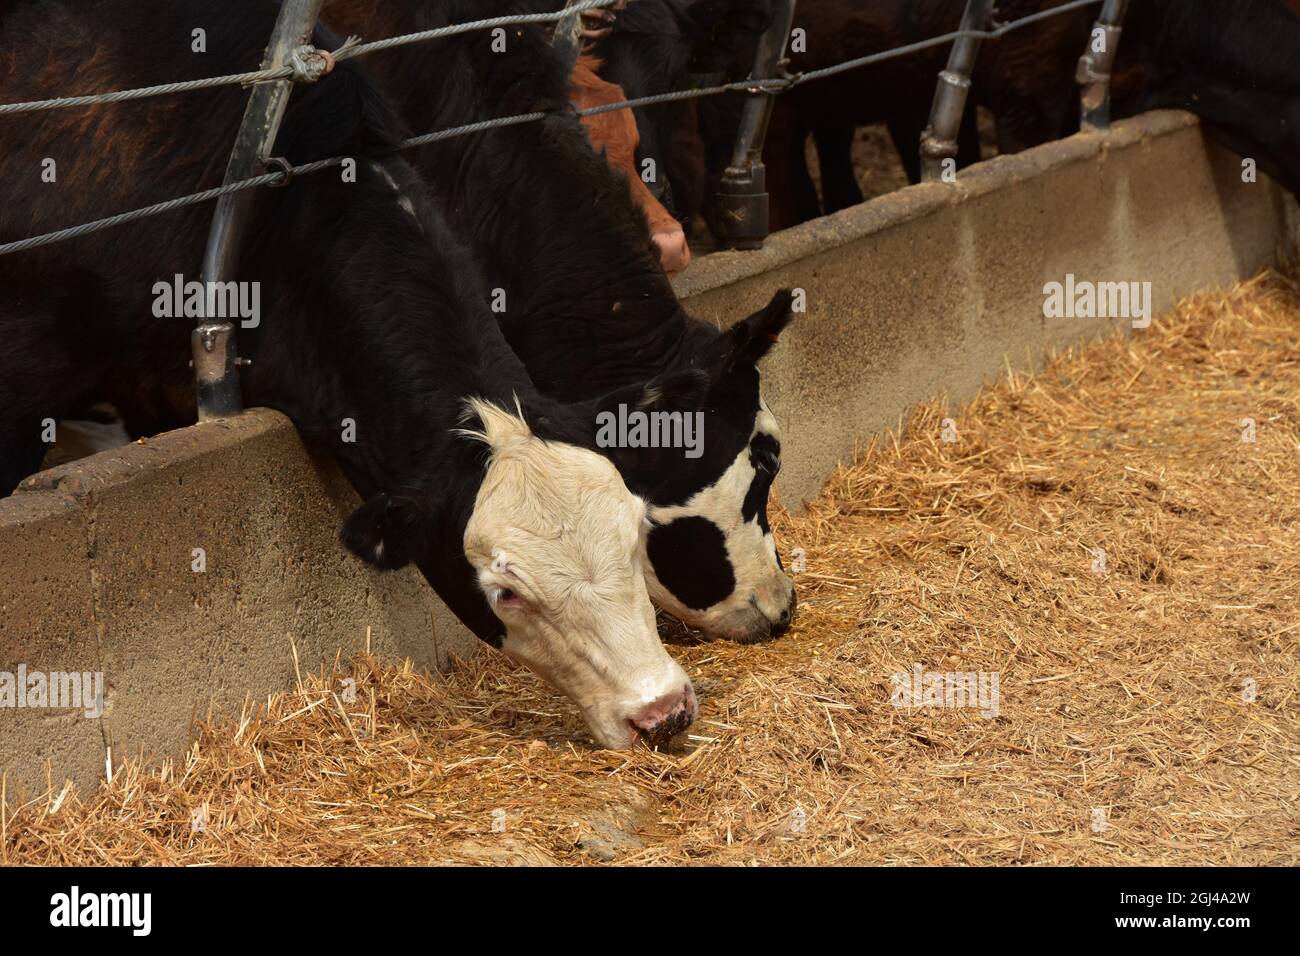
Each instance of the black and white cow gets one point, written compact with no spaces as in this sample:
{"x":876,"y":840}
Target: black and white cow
{"x":371,"y":311}
{"x":587,"y":306}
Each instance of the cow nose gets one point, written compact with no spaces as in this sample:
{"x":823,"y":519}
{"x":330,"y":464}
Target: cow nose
{"x":665,"y":718}
{"x":782,"y":623}
{"x":674,"y":252}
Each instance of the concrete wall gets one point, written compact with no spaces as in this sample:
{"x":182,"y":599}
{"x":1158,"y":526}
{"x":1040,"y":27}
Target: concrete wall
{"x":934,"y":287}
{"x":940,"y":286}
{"x":97,"y":574}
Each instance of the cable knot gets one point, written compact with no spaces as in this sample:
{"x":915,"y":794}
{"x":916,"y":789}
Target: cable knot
{"x":310,"y":64}
{"x":776,"y":85}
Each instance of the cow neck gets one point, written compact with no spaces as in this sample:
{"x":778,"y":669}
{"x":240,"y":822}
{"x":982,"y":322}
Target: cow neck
{"x":589,"y":308}
{"x":398,"y":335}
{"x":1230,"y":64}
{"x":551,"y":224}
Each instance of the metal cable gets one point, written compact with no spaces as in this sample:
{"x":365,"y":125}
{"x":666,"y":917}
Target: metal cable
{"x":352,"y":47}
{"x":774,"y":86}
{"x":266,"y":179}
{"x":454,"y":29}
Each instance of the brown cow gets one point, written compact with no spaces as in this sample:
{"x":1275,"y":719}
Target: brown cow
{"x":615,"y":135}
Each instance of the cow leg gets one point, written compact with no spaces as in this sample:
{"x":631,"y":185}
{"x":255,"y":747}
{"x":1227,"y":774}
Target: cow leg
{"x":792,"y":196}
{"x":804,"y":193}
{"x":41,"y":378}
{"x":905,"y":130}
{"x":835,"y":155}
{"x":19,"y":461}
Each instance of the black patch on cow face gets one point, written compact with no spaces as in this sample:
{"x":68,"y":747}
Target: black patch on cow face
{"x":666,"y":477}
{"x":765,"y":457}
{"x":690,"y":560}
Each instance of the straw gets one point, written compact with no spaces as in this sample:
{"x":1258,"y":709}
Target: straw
{"x":1147,"y":712}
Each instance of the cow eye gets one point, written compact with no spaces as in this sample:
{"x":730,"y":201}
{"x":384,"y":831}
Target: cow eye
{"x":768,"y":462}
{"x":506,"y":598}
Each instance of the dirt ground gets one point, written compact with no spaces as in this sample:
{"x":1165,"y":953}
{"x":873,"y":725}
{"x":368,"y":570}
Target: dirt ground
{"x":875,"y":157}
{"x":1116,"y":541}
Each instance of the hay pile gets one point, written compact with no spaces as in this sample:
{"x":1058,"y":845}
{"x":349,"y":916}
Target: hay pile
{"x":1125,"y":734}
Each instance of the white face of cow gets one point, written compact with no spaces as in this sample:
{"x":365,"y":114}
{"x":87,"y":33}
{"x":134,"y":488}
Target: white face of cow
{"x":711,"y":561}
{"x":555,"y":539}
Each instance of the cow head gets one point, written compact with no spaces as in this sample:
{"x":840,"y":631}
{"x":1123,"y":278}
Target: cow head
{"x":710,"y":559}
{"x":655,"y":46}
{"x":614,"y":135}
{"x":554,"y":539}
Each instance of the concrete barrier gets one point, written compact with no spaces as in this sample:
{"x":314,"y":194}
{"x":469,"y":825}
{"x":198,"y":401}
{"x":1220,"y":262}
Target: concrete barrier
{"x":99,"y":572}
{"x":939,"y":287}
{"x":936,"y":287}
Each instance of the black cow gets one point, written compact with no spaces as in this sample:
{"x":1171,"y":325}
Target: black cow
{"x":587,"y":307}
{"x":1231,"y":63}
{"x":1235,"y":65}
{"x":375,"y":337}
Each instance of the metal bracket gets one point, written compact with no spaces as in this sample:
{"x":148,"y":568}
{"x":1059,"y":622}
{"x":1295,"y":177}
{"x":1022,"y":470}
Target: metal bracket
{"x":279,"y":164}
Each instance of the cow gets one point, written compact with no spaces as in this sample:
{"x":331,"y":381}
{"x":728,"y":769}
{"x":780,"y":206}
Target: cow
{"x":614,"y":135}
{"x":1231,"y":64}
{"x":587,"y":307}
{"x":374,"y":336}
{"x":655,"y":46}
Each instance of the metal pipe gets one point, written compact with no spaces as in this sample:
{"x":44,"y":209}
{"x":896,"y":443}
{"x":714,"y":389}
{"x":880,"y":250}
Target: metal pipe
{"x":742,"y":194}
{"x":1095,"y":66}
{"x":939,"y":140}
{"x":212,"y":343}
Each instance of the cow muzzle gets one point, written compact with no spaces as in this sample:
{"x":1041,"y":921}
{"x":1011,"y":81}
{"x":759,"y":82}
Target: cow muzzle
{"x":661,"y":721}
{"x":760,"y":619}
{"x":674,"y":252}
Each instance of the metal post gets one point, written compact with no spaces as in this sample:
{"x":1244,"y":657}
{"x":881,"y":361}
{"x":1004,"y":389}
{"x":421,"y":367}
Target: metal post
{"x":213,"y":342}
{"x":1095,"y":66}
{"x":742,"y":194}
{"x":939,"y":141}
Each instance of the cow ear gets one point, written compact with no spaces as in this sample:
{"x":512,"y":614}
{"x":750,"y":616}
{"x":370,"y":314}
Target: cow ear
{"x":754,"y":337}
{"x":389,"y":531}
